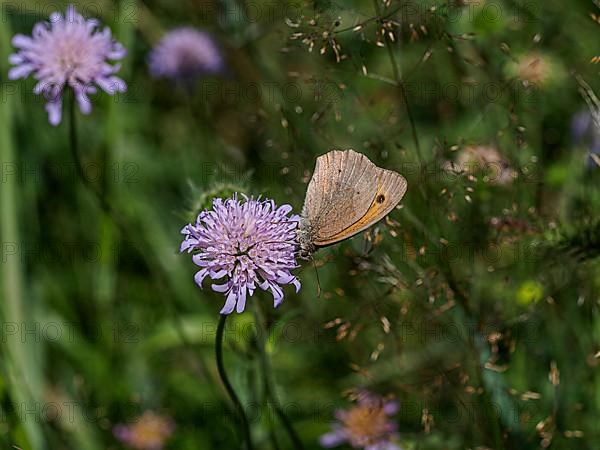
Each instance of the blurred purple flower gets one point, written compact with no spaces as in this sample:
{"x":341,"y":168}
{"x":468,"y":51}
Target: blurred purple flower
{"x":150,"y":431}
{"x":585,"y":132}
{"x":249,"y":243}
{"x":366,"y":425}
{"x":68,"y":51}
{"x":184,"y":54}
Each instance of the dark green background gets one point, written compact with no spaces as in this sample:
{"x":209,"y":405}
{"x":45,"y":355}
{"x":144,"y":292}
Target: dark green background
{"x":111,"y":321}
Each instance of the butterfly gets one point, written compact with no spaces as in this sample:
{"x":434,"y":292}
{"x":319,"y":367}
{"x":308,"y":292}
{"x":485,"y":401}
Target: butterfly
{"x":346,"y":195}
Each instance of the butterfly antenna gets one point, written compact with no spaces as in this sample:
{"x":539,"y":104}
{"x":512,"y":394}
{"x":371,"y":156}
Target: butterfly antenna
{"x":317,"y":274}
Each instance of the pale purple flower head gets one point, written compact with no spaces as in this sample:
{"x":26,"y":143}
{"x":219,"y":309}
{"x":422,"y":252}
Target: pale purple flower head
{"x":185,"y":54}
{"x":367,"y":425}
{"x":68,"y":51}
{"x":150,"y":431}
{"x":586,"y":133}
{"x":247,"y":243}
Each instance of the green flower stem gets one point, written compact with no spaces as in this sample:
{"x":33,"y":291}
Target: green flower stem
{"x":228,"y":387}
{"x":74,"y":147}
{"x":261,"y":334}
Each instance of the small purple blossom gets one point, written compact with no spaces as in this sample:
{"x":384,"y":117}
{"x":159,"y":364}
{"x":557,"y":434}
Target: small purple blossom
{"x":586,"y":133}
{"x":150,"y":431}
{"x":249,"y":243}
{"x":68,"y":51}
{"x":366,"y":425}
{"x":184,"y":54}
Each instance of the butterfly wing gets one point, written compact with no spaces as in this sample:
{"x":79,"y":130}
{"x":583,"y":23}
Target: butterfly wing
{"x":347,"y":194}
{"x":391,"y":187}
{"x":339,"y":192}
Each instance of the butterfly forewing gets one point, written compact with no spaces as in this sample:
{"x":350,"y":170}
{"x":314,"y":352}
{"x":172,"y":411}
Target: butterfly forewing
{"x":347,"y":194}
{"x":339,"y":192}
{"x":392,"y":187}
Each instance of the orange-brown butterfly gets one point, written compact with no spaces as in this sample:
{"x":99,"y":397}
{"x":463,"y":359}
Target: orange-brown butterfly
{"x":346,"y":195}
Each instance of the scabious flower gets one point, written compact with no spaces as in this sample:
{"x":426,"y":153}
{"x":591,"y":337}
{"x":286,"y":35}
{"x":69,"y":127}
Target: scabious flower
{"x":536,"y":70}
{"x":150,"y":431}
{"x":248,"y":243}
{"x":68,"y":51}
{"x":585,"y":132}
{"x":533,"y":69}
{"x":485,"y":159}
{"x":185,"y":54}
{"x":367,"y":425}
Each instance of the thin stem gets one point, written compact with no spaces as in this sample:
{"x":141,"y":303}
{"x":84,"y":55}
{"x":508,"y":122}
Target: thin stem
{"x":274,"y":442}
{"x":268,"y":378}
{"x":367,"y":21}
{"x":474,"y":346}
{"x":105,"y":205}
{"x":74,"y":147}
{"x":401,"y":86}
{"x":228,"y":387}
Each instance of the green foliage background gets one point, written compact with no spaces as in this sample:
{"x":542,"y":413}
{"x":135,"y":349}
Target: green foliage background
{"x":488,"y":335}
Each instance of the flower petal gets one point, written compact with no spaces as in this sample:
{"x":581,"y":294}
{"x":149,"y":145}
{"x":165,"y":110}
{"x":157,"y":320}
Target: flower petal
{"x":54,"y":109}
{"x":333,"y":439}
{"x":21,"y":71}
{"x":241,"y":302}
{"x":221,"y":287}
{"x":200,"y":276}
{"x":85,"y":105}
{"x":229,"y":303}
{"x":21,"y":41}
{"x":111,"y":85}
{"x":16,"y":58}
{"x":391,"y":407}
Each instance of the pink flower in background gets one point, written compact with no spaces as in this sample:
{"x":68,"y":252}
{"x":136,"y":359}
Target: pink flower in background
{"x":485,"y":159}
{"x":150,"y":431}
{"x":367,"y":425}
{"x":68,"y":51}
{"x":185,"y":53}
